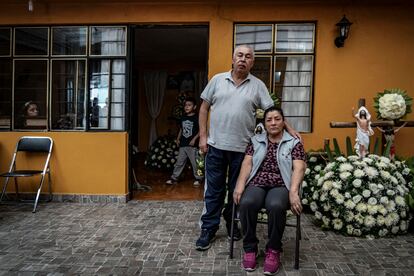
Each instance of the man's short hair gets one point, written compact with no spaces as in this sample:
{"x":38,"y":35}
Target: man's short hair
{"x":244,"y":46}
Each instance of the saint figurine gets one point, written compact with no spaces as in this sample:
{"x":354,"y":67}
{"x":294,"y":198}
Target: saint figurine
{"x":364,"y":131}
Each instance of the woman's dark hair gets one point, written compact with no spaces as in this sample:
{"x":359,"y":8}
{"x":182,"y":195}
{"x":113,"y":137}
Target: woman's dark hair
{"x":274,"y":108}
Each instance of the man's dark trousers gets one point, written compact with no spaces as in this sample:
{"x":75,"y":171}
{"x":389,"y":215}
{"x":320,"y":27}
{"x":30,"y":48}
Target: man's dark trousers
{"x":221,"y":167}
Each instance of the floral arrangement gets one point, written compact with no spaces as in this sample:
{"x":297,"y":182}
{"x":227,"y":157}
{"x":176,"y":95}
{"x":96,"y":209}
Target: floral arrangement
{"x":200,"y":163}
{"x":363,"y":197}
{"x":315,"y":163}
{"x":392,"y":104}
{"x":162,"y":154}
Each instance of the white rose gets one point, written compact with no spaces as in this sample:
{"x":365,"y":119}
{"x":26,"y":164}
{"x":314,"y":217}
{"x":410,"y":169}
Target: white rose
{"x":382,"y":232}
{"x":341,"y":159}
{"x":357,"y":199}
{"x":403,"y":226}
{"x":384,"y":200}
{"x":390,"y":192}
{"x":312,"y":159}
{"x":313,"y":206}
{"x":304,"y":201}
{"x":357,"y":183}
{"x":347,"y":195}
{"x":366,"y":193}
{"x":317,"y":168}
{"x":395,"y":229}
{"x":372,"y":201}
{"x":307,"y":171}
{"x":318,"y":215}
{"x":304,"y":184}
{"x":357,"y":232}
{"x":386,"y":175}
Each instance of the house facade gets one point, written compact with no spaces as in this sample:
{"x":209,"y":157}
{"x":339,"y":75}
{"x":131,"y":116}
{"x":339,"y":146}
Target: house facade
{"x":79,"y":62}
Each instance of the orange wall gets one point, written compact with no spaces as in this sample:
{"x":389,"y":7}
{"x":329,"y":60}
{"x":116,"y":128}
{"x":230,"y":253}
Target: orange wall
{"x":378,"y":54}
{"x":81,"y":163}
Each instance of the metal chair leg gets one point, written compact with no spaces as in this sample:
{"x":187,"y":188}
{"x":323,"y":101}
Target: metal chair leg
{"x":50,"y":187}
{"x":38,"y":194}
{"x":4,"y":188}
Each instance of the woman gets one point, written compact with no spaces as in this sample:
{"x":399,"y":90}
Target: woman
{"x":270,"y":177}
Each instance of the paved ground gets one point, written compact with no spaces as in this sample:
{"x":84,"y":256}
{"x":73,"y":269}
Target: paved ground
{"x":157,"y":238}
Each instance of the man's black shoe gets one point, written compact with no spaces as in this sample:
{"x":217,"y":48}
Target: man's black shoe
{"x":205,"y":240}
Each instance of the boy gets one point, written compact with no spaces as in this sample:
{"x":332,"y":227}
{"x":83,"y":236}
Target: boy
{"x":186,"y":140}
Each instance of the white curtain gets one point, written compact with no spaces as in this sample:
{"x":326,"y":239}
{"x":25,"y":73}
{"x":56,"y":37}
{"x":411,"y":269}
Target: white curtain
{"x":155,"y":83}
{"x":296,"y":92}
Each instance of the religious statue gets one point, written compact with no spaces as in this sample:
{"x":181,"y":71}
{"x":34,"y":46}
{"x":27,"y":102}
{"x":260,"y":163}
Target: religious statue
{"x":364,"y":131}
{"x":389,"y":135}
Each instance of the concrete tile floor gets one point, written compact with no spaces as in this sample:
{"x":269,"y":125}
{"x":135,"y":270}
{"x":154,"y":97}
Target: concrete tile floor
{"x":157,"y":238}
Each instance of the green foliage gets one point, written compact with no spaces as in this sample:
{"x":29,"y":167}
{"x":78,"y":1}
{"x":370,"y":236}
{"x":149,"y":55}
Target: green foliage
{"x":329,"y":153}
{"x":336,"y":148}
{"x":349,"y":147}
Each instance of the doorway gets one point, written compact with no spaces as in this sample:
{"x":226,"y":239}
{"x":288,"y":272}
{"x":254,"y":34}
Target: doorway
{"x":169,"y":63}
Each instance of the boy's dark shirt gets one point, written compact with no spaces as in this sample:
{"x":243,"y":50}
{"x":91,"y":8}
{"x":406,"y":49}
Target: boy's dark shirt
{"x":189,"y":129}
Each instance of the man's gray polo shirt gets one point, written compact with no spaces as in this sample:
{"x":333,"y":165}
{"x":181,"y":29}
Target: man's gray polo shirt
{"x":233,"y":110}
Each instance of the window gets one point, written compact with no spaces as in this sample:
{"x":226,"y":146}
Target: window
{"x":285,"y":63}
{"x":68,"y":94}
{"x":107,"y":94}
{"x":33,"y":41}
{"x":5,"y":40}
{"x":42,"y":89}
{"x":69,"y":41}
{"x":108,"y":41}
{"x":5,"y":93}
{"x":30,"y":90}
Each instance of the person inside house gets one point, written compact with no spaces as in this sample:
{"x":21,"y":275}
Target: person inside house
{"x":186,"y":140}
{"x":231,"y":99}
{"x":29,"y":110}
{"x":364,"y":131}
{"x":272,"y":171}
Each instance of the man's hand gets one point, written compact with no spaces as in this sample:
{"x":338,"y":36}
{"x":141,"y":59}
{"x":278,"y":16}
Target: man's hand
{"x":203,"y":144}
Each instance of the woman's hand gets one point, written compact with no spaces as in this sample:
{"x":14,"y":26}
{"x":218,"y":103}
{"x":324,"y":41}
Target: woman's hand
{"x":295,"y":204}
{"x":238,"y":192}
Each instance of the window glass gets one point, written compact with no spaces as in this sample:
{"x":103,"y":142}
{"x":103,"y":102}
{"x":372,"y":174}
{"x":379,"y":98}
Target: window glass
{"x":294,"y":37}
{"x":5,"y":92}
{"x":108,"y":41}
{"x":262,"y":69}
{"x":4,"y":41}
{"x":257,"y":36}
{"x":69,"y":40}
{"x":31,"y":41}
{"x":293,"y":86}
{"x":118,"y":95}
{"x":68,"y":94}
{"x":30,"y":88}
{"x":99,"y":93}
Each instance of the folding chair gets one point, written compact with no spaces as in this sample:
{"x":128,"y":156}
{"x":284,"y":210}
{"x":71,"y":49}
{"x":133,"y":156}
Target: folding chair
{"x":31,"y":146}
{"x":263,"y":220}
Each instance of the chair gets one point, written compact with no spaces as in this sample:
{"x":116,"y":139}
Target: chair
{"x":31,"y":146}
{"x":262,"y":218}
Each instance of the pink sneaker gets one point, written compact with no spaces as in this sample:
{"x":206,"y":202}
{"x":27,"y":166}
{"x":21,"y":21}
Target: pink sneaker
{"x":272,"y":262}
{"x":249,"y":261}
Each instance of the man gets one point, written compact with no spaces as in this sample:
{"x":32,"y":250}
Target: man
{"x":232,"y":99}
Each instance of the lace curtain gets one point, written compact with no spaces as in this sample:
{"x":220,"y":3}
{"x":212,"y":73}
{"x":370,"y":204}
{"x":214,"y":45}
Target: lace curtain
{"x":155,"y":83}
